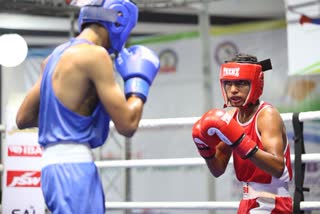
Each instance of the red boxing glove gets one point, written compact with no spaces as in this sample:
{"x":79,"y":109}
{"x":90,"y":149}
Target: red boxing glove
{"x":206,"y":144}
{"x":218,"y":122}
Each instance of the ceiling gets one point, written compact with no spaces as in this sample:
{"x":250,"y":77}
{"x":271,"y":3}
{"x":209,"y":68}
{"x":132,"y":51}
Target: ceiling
{"x":237,"y":8}
{"x":155,"y":16}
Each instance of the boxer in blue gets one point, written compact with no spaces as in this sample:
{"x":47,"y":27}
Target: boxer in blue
{"x":76,"y":96}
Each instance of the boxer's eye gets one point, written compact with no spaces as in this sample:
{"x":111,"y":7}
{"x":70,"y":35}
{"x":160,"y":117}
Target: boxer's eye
{"x":237,"y":83}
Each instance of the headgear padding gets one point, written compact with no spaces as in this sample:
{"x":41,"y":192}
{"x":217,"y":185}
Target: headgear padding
{"x":243,"y":71}
{"x":119,"y":17}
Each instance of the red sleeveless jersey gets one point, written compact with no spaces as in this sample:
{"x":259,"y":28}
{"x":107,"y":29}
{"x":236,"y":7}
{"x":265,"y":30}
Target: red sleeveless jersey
{"x":245,"y":170}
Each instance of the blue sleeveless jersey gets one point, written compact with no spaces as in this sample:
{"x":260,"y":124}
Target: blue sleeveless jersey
{"x":57,"y":123}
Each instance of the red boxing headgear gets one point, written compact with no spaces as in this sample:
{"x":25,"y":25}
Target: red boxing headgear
{"x":243,"y":71}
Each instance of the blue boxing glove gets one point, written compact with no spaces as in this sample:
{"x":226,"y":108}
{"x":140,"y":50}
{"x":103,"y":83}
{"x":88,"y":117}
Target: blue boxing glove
{"x":138,"y":66}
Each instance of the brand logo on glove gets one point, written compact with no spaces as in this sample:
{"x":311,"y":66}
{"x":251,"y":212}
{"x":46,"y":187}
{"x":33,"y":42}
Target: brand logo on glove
{"x":200,"y":143}
{"x":231,"y":72}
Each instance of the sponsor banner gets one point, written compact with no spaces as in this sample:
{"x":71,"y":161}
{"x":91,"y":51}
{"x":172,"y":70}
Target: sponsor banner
{"x":24,"y":151}
{"x":21,"y":182}
{"x":23,"y":178}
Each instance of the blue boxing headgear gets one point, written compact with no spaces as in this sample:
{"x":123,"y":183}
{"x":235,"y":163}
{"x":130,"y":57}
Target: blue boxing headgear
{"x":119,"y":17}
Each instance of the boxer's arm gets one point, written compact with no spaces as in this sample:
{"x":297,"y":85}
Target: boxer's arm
{"x":274,"y":140}
{"x":27,"y":115}
{"x":125,"y":114}
{"x":216,"y":153}
{"x":219,"y":163}
{"x":28,"y":112}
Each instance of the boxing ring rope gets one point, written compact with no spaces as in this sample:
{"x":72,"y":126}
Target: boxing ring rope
{"x":173,"y":162}
{"x":218,"y":205}
{"x":170,"y":123}
{"x":189,"y":121}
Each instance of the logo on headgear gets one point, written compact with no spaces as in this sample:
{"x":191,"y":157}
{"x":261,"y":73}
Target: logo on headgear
{"x":231,"y":71}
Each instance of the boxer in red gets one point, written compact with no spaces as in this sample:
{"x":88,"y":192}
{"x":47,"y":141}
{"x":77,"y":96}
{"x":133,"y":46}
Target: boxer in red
{"x":253,"y":132}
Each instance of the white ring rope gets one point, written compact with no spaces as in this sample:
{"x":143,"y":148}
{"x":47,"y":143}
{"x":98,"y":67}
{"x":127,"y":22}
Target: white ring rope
{"x":221,"y":205}
{"x":189,"y":121}
{"x":194,"y":205}
{"x":172,"y":162}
